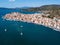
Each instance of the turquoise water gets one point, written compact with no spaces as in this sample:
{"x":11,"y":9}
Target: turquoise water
{"x":32,"y":34}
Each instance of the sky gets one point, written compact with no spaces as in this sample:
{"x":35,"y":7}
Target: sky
{"x":26,"y":3}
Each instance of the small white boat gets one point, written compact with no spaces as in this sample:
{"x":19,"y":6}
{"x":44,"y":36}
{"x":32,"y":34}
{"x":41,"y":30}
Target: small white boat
{"x":21,"y":33}
{"x":21,"y":26}
{"x":5,"y":30}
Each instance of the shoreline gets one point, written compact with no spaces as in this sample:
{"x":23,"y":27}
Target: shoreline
{"x":34,"y":18}
{"x":39,"y":24}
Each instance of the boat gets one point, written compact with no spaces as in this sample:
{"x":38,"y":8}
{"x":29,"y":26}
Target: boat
{"x":21,"y":33}
{"x":5,"y":30}
{"x":21,"y":26}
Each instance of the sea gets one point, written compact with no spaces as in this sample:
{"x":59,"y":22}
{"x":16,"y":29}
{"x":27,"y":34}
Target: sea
{"x":23,"y":33}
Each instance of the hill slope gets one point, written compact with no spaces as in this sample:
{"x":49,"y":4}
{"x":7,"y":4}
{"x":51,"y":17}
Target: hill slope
{"x":44,"y":7}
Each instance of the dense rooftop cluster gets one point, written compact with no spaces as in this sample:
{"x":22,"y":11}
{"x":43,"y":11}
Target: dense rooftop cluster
{"x":34,"y":18}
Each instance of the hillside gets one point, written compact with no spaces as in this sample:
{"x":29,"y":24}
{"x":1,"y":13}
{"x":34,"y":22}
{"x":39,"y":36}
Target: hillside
{"x":44,"y":7}
{"x":53,"y":10}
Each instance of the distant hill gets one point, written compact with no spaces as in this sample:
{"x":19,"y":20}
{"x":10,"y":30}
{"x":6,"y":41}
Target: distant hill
{"x":49,"y":7}
{"x":53,"y":10}
{"x":25,"y":7}
{"x":44,"y":7}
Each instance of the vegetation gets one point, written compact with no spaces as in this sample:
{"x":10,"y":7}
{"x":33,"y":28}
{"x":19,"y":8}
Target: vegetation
{"x":53,"y":10}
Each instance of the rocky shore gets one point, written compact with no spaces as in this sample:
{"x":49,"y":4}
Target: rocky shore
{"x":34,"y":18}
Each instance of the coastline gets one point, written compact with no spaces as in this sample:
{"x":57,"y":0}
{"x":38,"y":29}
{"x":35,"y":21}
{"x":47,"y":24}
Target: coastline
{"x":34,"y":18}
{"x":38,"y":24}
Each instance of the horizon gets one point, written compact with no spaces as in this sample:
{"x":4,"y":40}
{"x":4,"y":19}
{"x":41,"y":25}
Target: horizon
{"x":27,"y":3}
{"x":27,"y":6}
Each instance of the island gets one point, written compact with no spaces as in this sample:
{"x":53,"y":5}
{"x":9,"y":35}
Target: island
{"x":37,"y":18}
